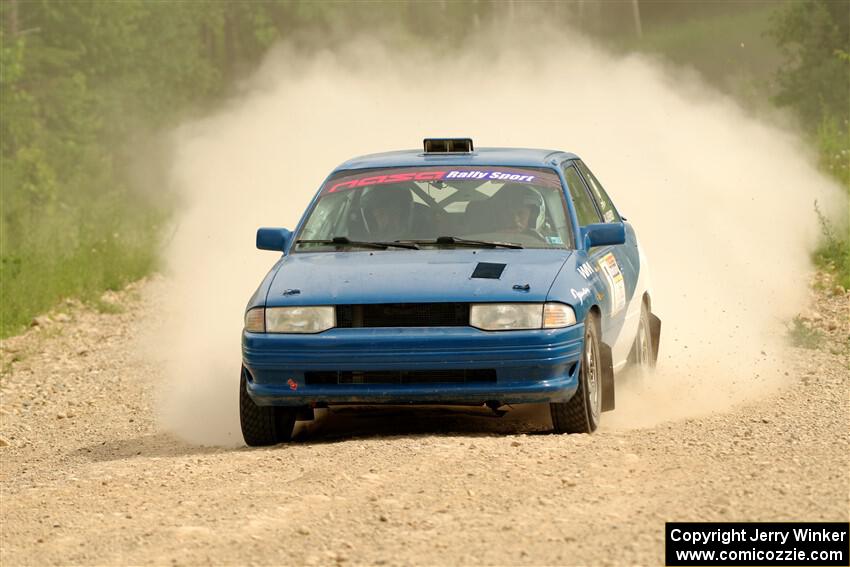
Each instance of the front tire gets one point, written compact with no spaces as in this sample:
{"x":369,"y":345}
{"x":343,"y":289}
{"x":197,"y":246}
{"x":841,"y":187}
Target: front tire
{"x":263,"y":425}
{"x":580,"y":414}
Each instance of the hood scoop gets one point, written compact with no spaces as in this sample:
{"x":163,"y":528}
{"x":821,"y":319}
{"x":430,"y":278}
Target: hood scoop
{"x":488,"y":271}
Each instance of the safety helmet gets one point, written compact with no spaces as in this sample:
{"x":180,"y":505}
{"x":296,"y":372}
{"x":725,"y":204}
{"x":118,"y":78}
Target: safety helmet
{"x":396,"y":201}
{"x":514,"y":195}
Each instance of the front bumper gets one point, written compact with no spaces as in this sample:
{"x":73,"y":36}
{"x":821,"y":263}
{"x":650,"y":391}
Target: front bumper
{"x":530,"y":366}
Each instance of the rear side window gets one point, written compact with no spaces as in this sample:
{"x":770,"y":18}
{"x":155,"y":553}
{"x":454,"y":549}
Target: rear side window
{"x":606,"y":207}
{"x":585,"y":209}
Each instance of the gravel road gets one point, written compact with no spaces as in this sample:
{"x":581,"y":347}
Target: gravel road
{"x":87,"y":478}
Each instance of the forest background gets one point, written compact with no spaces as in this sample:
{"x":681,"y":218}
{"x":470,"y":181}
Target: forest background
{"x":88,"y":88}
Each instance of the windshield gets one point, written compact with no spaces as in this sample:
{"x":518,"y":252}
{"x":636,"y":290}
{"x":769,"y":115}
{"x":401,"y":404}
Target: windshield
{"x":517,"y":205}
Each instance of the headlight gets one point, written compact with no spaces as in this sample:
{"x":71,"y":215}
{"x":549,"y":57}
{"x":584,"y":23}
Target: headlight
{"x":517,"y":316}
{"x":290,"y":319}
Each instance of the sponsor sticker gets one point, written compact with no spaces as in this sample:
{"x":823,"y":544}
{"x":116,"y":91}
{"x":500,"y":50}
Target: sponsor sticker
{"x":497,"y":175}
{"x":580,"y":294}
{"x":586,"y":270}
{"x":384,"y":179}
{"x":373,"y":177}
{"x":614,"y":278}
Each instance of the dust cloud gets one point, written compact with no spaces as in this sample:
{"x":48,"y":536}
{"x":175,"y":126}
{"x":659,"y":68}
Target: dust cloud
{"x":723,"y":204}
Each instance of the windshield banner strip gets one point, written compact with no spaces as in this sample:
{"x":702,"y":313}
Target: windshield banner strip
{"x":369,"y":178}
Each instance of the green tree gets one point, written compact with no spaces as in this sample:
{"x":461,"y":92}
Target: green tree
{"x":815,"y":79}
{"x":84,"y":85}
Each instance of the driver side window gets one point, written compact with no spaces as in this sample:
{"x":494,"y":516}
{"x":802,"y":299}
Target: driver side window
{"x":585,"y":209}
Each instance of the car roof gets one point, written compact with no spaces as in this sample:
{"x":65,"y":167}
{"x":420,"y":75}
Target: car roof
{"x":481,"y":156}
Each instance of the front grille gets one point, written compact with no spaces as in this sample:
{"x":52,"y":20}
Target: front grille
{"x":403,"y":315}
{"x":459,"y":376}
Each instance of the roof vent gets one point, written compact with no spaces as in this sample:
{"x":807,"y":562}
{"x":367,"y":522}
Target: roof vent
{"x":447,"y":145}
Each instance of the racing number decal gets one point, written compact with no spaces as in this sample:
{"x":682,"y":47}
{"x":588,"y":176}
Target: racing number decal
{"x":611,"y":270}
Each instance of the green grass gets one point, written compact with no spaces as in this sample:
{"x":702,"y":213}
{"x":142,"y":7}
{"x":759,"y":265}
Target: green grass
{"x":42,"y":279}
{"x":73,"y":252}
{"x":803,"y":336}
{"x":833,"y":143}
{"x":107,"y":307}
{"x":833,"y":253}
{"x":834,"y":257}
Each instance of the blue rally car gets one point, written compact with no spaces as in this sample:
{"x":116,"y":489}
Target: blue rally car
{"x":448,"y":276}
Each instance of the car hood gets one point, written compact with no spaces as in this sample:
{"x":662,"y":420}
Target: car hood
{"x":413,"y":276}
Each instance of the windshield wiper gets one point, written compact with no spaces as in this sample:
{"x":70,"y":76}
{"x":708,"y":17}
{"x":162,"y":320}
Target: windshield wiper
{"x":344,"y":241}
{"x":455,"y":241}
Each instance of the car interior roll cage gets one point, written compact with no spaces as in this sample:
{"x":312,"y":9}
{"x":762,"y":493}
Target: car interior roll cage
{"x":466,"y":190}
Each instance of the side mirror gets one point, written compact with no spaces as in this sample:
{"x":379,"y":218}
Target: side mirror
{"x":276,"y":239}
{"x":603,"y":234}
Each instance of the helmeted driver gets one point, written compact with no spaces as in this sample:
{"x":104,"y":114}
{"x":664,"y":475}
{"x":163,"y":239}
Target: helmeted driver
{"x":388,"y":212}
{"x":520,"y":208}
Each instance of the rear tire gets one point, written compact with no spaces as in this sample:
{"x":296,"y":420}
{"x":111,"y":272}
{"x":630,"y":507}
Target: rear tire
{"x":263,"y":425}
{"x":580,"y":414}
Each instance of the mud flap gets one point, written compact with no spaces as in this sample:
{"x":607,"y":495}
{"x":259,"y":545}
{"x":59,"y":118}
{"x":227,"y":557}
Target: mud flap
{"x":607,"y":361}
{"x":655,"y":335}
